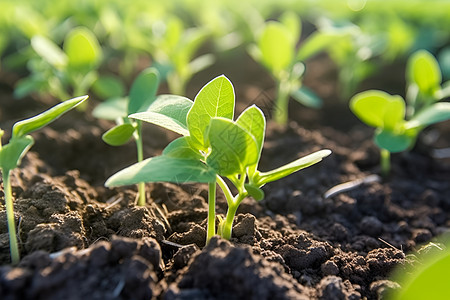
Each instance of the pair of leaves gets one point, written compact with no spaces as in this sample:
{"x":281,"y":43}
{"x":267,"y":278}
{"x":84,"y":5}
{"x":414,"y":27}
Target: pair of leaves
{"x":81,"y":50}
{"x":142,"y":95}
{"x":207,"y":126}
{"x":276,"y":50}
{"x":12,"y":153}
{"x":387,"y":113}
{"x":212,"y":143}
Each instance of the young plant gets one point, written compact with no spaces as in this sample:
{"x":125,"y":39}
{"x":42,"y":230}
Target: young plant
{"x":11,"y":155}
{"x":63,"y":72}
{"x":213,"y":146}
{"x":142,"y":95}
{"x":398,"y":123}
{"x":174,"y":48}
{"x":276,"y":50}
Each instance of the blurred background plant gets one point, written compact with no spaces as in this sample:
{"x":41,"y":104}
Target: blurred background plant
{"x":363,"y":38}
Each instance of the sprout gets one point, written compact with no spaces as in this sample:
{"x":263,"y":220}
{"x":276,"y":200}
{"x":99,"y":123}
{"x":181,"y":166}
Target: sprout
{"x":398,"y":123}
{"x":142,"y":95}
{"x":11,"y":155}
{"x":213,"y":146}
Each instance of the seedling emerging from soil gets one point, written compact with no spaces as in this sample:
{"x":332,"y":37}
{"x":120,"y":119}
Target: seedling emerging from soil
{"x":213,"y":147}
{"x":276,"y":50}
{"x":63,"y":72}
{"x":11,"y":155}
{"x":142,"y":95}
{"x":394,"y":131}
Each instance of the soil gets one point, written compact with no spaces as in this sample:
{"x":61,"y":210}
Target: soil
{"x":80,"y":240}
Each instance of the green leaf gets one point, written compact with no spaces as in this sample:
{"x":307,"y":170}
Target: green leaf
{"x":180,"y":148}
{"x":28,"y":85}
{"x":232,"y":147}
{"x":191,"y":41}
{"x":292,"y":22}
{"x":318,"y":41}
{"x":82,"y":48}
{"x":378,"y":109}
{"x":423,"y":70}
{"x":143,"y":90}
{"x":176,"y":107}
{"x":49,"y":51}
{"x":428,"y":279}
{"x":277,"y":47}
{"x":12,"y":153}
{"x":435,"y":113}
{"x":24,"y":127}
{"x":111,"y":109}
{"x":107,"y":87}
{"x":163,"y":168}
{"x":201,"y":63}
{"x":393,"y":142}
{"x":307,"y":97}
{"x":168,"y":111}
{"x":119,"y":134}
{"x":255,"y":192}
{"x":297,"y":165}
{"x":215,"y":99}
{"x":161,"y":120}
{"x":253,"y":121}
{"x":394,"y":114}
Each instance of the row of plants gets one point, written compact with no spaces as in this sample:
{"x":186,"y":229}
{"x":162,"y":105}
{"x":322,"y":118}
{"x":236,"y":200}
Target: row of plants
{"x":67,"y":50}
{"x":98,"y":51}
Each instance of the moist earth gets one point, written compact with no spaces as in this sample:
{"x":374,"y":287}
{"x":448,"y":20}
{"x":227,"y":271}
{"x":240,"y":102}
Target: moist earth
{"x":79,"y":239}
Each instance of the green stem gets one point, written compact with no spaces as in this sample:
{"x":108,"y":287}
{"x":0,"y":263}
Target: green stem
{"x":211,"y":226}
{"x":226,"y":191}
{"x":385,"y":162}
{"x":140,"y":157}
{"x":176,"y":84}
{"x":231,"y":213}
{"x":13,"y":246}
{"x":282,"y":103}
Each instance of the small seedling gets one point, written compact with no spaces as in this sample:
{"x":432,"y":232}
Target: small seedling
{"x":276,"y":50}
{"x":213,"y":147}
{"x":66,"y":72}
{"x":174,"y":48}
{"x":398,"y":123}
{"x":11,"y":155}
{"x":142,"y":95}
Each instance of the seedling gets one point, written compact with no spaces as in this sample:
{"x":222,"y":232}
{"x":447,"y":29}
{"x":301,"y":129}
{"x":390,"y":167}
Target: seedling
{"x":11,"y":155}
{"x":213,"y":146}
{"x":174,"y":49}
{"x":276,"y":50}
{"x":142,"y":95}
{"x":63,"y":72}
{"x":398,"y":123}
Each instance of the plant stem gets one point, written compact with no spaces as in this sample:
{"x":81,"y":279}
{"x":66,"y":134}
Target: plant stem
{"x":140,"y":157}
{"x":385,"y":162}
{"x":226,"y":191}
{"x":13,"y":246}
{"x":231,"y":213}
{"x":211,"y":226}
{"x":176,"y":84}
{"x":281,"y":105}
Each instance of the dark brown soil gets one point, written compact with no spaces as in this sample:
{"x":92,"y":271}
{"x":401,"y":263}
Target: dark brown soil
{"x":80,"y":240}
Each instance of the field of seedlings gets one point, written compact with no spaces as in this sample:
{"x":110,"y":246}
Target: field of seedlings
{"x":224,"y":149}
